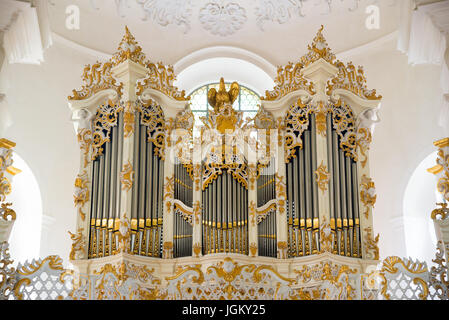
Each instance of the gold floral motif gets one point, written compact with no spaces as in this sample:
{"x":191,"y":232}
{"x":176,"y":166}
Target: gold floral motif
{"x":252,"y":213}
{"x":127,"y":176}
{"x":371,"y":244}
{"x":389,"y":265}
{"x":322,"y":177}
{"x":442,"y":212}
{"x":54,"y":262}
{"x":296,"y":122}
{"x":128,"y":118}
{"x":96,"y":78}
{"x":197,"y":211}
{"x":289,"y":79}
{"x":282,"y":249}
{"x":160,"y":77}
{"x":85,"y":141}
{"x":253,"y":249}
{"x":252,"y":174}
{"x":152,"y":116}
{"x":281,"y":193}
{"x":364,"y":139}
{"x":5,"y":187}
{"x":106,"y":117}
{"x":197,"y":250}
{"x":197,"y":176}
{"x":124,"y":235}
{"x":344,"y":123}
{"x":7,"y":212}
{"x":77,"y":243}
{"x":167,"y":250}
{"x":443,"y":161}
{"x":321,"y":119}
{"x":326,"y":237}
{"x":348,"y":78}
{"x":367,"y":194}
{"x":81,"y":196}
{"x":169,"y":187}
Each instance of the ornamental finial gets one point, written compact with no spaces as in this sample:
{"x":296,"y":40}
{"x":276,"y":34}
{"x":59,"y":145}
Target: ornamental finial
{"x":319,"y":49}
{"x":128,"y":49}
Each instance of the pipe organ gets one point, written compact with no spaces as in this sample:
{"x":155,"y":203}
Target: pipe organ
{"x":266,"y":202}
{"x":291,"y":182}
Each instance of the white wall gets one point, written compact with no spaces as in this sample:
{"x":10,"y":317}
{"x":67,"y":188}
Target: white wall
{"x":403,"y":138}
{"x":45,"y":137}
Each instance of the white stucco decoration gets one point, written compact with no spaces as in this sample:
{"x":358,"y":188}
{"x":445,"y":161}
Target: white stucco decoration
{"x":165,"y":12}
{"x":222,"y":18}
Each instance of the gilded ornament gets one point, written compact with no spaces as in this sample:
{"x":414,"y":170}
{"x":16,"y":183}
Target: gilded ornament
{"x":77,"y":244}
{"x":167,"y":250}
{"x":220,"y":98}
{"x":160,"y":77}
{"x":6,"y":212}
{"x":54,"y":262}
{"x":127,"y":176}
{"x":319,"y":49}
{"x":128,"y":49}
{"x":281,"y":193}
{"x":371,"y":244}
{"x":85,"y":141}
{"x":81,"y":196}
{"x":326,"y":237}
{"x":197,"y":250}
{"x":322,"y":177}
{"x":282,"y":249}
{"x":96,"y":78}
{"x":106,"y":117}
{"x":367,"y":194}
{"x":128,"y":118}
{"x":348,"y":78}
{"x":364,"y":139}
{"x":442,"y":212}
{"x":289,"y":79}
{"x":252,"y":213}
{"x":253,"y":249}
{"x":197,"y":211}
{"x":124,"y":235}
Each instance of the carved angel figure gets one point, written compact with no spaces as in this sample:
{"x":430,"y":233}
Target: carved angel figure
{"x":222,"y":97}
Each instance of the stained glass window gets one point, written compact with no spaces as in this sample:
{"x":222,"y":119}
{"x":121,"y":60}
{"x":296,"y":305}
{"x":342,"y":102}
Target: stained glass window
{"x":248,"y":101}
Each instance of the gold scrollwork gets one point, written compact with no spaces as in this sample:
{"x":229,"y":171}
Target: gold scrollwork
{"x":371,"y":244}
{"x":127,"y":176}
{"x":77,"y":243}
{"x":367,"y":194}
{"x":322,"y":177}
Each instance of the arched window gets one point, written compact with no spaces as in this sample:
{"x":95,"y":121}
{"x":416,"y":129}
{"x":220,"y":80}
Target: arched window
{"x":248,"y":101}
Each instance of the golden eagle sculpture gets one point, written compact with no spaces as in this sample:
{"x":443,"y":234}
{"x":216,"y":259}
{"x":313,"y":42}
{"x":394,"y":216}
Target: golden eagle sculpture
{"x":222,"y":97}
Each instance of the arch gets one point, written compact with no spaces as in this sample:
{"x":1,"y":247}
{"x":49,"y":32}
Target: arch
{"x":209,"y":70}
{"x":420,"y":197}
{"x":27,"y":202}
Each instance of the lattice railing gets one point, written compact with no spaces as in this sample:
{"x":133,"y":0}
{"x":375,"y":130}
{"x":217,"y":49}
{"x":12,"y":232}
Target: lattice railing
{"x":394,"y":279}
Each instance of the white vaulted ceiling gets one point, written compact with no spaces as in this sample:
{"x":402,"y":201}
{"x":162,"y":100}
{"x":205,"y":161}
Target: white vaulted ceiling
{"x":168,"y":30}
